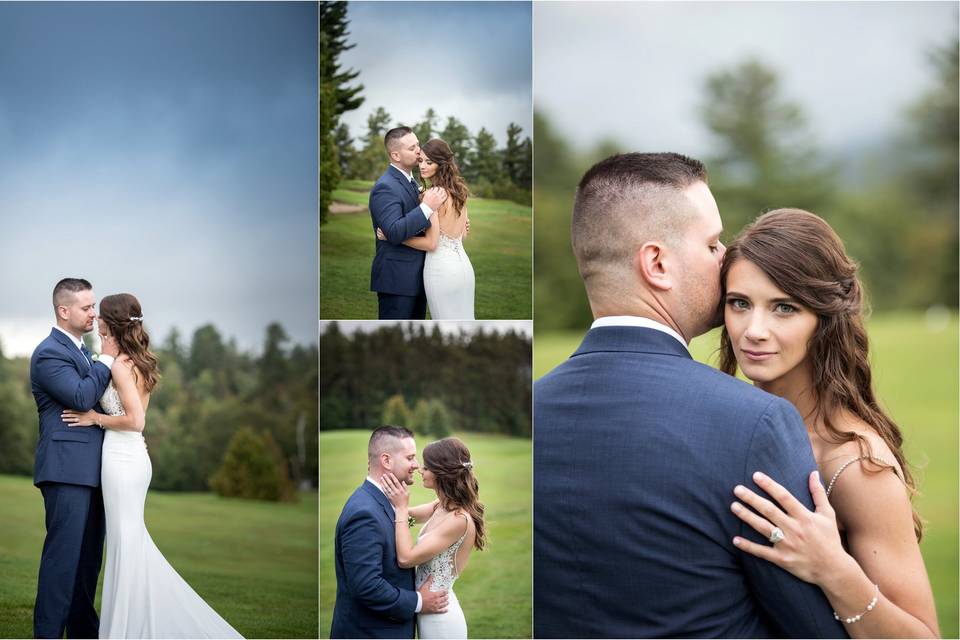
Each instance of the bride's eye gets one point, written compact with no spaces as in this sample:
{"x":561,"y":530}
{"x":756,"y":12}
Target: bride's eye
{"x":783,"y":307}
{"x":737,"y":304}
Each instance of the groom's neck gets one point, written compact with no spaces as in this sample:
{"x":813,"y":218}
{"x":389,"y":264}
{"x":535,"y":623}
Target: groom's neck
{"x":65,"y":327}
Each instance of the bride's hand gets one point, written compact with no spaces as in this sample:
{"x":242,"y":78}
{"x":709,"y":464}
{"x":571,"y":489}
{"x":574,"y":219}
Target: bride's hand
{"x":810,"y":548}
{"x":380,"y":234}
{"x":396,"y":491}
{"x":79,"y":419}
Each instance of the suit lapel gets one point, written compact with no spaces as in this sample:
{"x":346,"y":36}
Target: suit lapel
{"x":82,"y":363}
{"x":380,"y":498}
{"x":406,"y":184}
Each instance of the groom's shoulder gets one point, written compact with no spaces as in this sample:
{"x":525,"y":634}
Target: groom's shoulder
{"x":46,"y":346}
{"x":730,"y":389}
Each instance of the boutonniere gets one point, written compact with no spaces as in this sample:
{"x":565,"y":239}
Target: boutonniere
{"x":411,"y":521}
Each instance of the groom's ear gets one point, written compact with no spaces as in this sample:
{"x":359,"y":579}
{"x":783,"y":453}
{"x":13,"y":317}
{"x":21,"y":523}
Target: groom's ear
{"x":649,"y":263}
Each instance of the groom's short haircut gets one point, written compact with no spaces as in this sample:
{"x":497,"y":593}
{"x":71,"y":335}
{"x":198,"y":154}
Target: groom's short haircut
{"x":384,"y":439}
{"x":67,"y":288}
{"x":623,"y":202}
{"x":392,"y":139}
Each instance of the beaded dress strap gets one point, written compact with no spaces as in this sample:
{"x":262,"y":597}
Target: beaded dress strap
{"x":850,"y":462}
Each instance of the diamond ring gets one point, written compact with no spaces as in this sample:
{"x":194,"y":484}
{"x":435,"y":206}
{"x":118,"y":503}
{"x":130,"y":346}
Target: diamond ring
{"x":776,"y":535}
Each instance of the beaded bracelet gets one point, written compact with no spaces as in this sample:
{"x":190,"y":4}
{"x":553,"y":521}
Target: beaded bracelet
{"x":856,"y":618}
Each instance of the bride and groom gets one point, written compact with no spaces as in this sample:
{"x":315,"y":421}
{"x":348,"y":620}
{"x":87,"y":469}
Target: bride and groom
{"x":672,"y":499}
{"x":93,"y":470}
{"x":387,"y":584}
{"x":420,"y":260}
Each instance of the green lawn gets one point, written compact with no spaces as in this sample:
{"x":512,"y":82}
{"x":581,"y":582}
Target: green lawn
{"x":495,"y":589}
{"x":254,"y":562}
{"x":499,"y":247}
{"x":915,"y":373}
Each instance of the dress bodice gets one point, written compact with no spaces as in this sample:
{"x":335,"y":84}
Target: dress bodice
{"x":442,"y":566}
{"x":110,"y":401}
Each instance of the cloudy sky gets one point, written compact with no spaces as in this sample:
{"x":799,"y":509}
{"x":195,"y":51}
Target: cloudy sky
{"x":634,"y":72}
{"x":470,"y":60}
{"x":163,"y":149}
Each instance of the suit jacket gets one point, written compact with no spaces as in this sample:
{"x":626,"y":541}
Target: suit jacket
{"x":638,"y":449}
{"x":375,"y":597}
{"x":62,"y":378}
{"x":395,"y":207}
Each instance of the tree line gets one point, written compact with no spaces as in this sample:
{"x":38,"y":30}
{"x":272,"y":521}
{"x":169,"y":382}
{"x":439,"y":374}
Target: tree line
{"x":241,"y":424}
{"x":895,"y":206}
{"x":465,"y":382}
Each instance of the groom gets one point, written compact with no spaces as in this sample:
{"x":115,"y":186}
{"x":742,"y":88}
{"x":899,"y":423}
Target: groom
{"x":639,"y":447}
{"x":397,"y":271}
{"x":375,"y":597}
{"x":65,"y":375}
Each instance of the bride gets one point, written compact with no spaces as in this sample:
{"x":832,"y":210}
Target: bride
{"x":448,"y":277}
{"x":793,"y":322}
{"x":143,"y":597}
{"x":454,"y":527}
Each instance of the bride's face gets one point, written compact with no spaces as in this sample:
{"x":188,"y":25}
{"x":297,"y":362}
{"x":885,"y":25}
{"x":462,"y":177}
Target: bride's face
{"x":427,"y":167}
{"x":770,"y":331}
{"x":428,"y":478}
{"x":102,"y":328}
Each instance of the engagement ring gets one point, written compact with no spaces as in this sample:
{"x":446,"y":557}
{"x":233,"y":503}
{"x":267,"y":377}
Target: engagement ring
{"x":776,"y":535}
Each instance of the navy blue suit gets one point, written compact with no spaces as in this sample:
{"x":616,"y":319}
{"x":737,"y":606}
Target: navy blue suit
{"x":67,"y":471}
{"x":375,"y":597}
{"x":397,"y":271}
{"x":638,"y":449}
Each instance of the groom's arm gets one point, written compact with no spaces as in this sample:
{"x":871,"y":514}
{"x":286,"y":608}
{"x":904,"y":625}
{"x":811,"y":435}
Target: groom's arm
{"x":362,"y":547}
{"x":58,"y":376}
{"x":388,"y":214}
{"x":780,"y":448}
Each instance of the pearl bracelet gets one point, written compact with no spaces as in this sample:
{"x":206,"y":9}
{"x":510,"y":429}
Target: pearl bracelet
{"x":856,"y":618}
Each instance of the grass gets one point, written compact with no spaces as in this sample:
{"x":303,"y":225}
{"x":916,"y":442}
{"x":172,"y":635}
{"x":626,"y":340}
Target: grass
{"x":254,"y":562}
{"x":915,"y":376}
{"x":499,"y":247}
{"x":495,"y":589}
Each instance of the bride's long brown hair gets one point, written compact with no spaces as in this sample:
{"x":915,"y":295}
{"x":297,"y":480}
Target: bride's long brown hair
{"x":448,"y":173}
{"x":806,"y":259}
{"x":124,"y":317}
{"x":457,"y":487}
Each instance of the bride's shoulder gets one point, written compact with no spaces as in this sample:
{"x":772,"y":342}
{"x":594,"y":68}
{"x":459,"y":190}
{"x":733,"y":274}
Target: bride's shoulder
{"x":122,"y":364}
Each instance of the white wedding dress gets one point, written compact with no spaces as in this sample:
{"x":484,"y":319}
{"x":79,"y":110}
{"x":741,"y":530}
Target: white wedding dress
{"x":448,"y":280}
{"x":452,"y":623}
{"x":143,"y":597}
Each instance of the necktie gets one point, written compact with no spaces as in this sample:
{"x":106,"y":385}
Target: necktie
{"x":86,"y":354}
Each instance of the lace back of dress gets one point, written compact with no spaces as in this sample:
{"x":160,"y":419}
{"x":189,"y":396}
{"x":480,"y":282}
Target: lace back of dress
{"x":110,"y":401}
{"x":443,"y":567}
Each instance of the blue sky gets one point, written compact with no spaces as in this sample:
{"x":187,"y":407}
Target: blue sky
{"x":163,"y":149}
{"x":470,"y":60}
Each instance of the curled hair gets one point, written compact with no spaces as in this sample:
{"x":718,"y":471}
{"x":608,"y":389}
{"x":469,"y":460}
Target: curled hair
{"x":448,"y":173}
{"x":122,"y":314}
{"x":450,"y":463}
{"x":806,"y":259}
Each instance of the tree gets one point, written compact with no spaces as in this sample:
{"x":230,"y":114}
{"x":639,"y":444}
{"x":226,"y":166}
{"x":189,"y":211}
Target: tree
{"x":335,"y":93}
{"x":438,"y":419}
{"x":396,"y":412}
{"x":485,"y":166}
{"x":253,"y":467}
{"x":457,"y":136}
{"x":345,"y":149}
{"x":425,"y":128}
{"x":420,"y":420}
{"x":766,"y":158}
{"x":513,"y":154}
{"x":372,"y":158}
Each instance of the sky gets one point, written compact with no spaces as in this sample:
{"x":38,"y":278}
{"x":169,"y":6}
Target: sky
{"x":454,"y":327}
{"x":634,"y":72}
{"x":469,"y":60}
{"x":167,"y":150}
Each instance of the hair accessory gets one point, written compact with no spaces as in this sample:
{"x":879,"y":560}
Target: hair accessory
{"x":467,"y":465}
{"x":136,"y":318}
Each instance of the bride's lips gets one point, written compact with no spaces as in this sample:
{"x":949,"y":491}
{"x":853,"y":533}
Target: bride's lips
{"x":757,"y":356}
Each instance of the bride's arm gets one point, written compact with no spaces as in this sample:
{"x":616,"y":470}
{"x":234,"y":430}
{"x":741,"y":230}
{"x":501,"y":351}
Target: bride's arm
{"x":426,"y":242}
{"x":422,"y":512}
{"x":409,"y":553}
{"x":126,"y":385}
{"x":883,"y":550}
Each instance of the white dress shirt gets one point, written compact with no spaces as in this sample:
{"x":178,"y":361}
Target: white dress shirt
{"x":637,"y":321}
{"x":105,"y":359}
{"x":377,"y":485}
{"x":427,"y":211}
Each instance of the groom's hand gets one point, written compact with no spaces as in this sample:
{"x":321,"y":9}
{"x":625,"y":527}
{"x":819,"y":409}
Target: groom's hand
{"x":434,"y":197}
{"x":433,"y":601}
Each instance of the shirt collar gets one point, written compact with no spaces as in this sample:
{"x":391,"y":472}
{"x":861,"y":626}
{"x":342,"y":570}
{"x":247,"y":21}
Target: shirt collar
{"x":72,"y":337}
{"x":408,"y":176}
{"x":380,"y":489}
{"x":637,"y":321}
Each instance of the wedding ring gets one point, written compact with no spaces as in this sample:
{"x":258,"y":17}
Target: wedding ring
{"x":776,"y":535}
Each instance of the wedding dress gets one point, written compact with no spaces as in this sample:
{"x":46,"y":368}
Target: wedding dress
{"x":448,"y":276}
{"x":452,"y":623}
{"x":143,"y":597}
